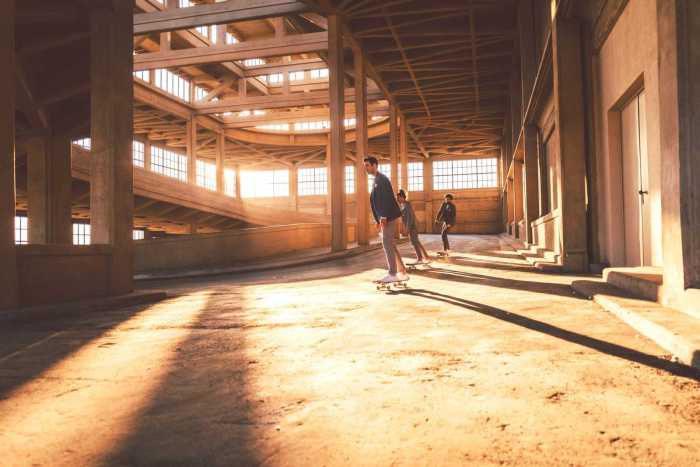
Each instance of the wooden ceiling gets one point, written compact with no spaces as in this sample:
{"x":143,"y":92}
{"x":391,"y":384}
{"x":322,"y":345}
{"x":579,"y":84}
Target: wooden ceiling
{"x":446,"y":64}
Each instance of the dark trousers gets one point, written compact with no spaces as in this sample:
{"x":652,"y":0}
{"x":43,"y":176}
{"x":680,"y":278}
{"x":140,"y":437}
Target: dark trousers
{"x":445,"y":242}
{"x":421,"y":252}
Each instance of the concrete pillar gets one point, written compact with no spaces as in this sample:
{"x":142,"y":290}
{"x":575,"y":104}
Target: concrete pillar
{"x":568,"y":98}
{"x":531,"y":203}
{"x":428,"y":196}
{"x":8,"y":260}
{"x":361,"y":196}
{"x":679,"y":97}
{"x":294,"y":187}
{"x":111,"y":162}
{"x":49,"y":190}
{"x":147,"y":154}
{"x":191,"y":151}
{"x":403,"y":155}
{"x":337,"y":133}
{"x":220,"y":156}
{"x":394,"y":146}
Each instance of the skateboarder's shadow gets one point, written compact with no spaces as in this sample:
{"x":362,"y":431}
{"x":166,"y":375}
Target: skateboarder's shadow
{"x":609,"y":348}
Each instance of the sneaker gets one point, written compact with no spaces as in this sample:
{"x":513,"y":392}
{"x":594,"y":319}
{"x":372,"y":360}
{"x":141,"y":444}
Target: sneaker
{"x":388,"y":279}
{"x":415,"y":263}
{"x":425,"y":261}
{"x":402,"y":276}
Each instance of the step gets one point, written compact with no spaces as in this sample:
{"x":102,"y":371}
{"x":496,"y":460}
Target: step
{"x":640,"y":282}
{"x":672,"y":330}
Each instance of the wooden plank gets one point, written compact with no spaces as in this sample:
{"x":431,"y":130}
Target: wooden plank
{"x":289,"y":45}
{"x":215,"y":13}
{"x":277,"y":102}
{"x":337,"y":134}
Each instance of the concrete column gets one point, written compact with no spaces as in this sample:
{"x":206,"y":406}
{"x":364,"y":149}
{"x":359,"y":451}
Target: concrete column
{"x":147,"y":154}
{"x":111,"y":169}
{"x":567,"y":71}
{"x":238,"y":181}
{"x":361,"y":197}
{"x":679,"y":97}
{"x":428,"y":196}
{"x":8,"y":260}
{"x":531,"y":203}
{"x":49,"y":190}
{"x":394,"y":146}
{"x":192,"y":151}
{"x":220,"y":156}
{"x":403,"y":155}
{"x":337,"y":134}
{"x":294,"y":187}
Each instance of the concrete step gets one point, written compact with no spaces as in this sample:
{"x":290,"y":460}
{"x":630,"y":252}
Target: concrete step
{"x":641,"y":282}
{"x":673,"y":330}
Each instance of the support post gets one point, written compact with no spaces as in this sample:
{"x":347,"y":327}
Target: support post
{"x":238,"y":182}
{"x":294,"y":187}
{"x":402,"y":181}
{"x":49,"y":190}
{"x":679,"y":63}
{"x":111,"y":169}
{"x":8,"y":259}
{"x":518,"y":198}
{"x":192,"y":151}
{"x":337,"y":133}
{"x":530,"y":181}
{"x":147,"y":154}
{"x":220,"y":156}
{"x":568,"y":98}
{"x":361,"y":146}
{"x":393,"y":146}
{"x":428,"y":196}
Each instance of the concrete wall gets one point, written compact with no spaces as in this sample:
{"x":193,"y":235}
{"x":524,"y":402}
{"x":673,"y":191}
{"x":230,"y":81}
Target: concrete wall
{"x":627,"y":62}
{"x":228,"y":248}
{"x":55,"y":273}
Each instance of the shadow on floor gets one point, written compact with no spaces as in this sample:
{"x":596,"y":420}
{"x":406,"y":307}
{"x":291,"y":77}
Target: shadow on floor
{"x":549,"y":288}
{"x":203,"y":410}
{"x":609,"y":348}
{"x":28,"y":347}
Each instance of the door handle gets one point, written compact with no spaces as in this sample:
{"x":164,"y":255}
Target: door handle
{"x":643,"y":192}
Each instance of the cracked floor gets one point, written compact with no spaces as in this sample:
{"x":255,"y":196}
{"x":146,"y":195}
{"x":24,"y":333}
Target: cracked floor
{"x":482,"y":361}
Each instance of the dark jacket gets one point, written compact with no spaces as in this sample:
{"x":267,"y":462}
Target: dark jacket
{"x":383,"y":200}
{"x":447,"y":213}
{"x":408,"y":216}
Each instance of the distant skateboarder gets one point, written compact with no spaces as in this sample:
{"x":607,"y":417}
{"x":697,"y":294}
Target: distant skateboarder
{"x":408,"y":216}
{"x":386,"y":213}
{"x":447,"y":215}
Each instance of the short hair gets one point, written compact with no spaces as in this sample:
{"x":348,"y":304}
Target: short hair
{"x":449,"y":196}
{"x":401,"y":194}
{"x":371,"y":160}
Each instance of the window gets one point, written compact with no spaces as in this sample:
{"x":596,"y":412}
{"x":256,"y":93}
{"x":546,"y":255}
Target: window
{"x":274,"y":127}
{"x":206,"y":175}
{"x":143,"y":75}
{"x":265,"y":183}
{"x":296,"y":76}
{"x":168,"y":163}
{"x":349,"y":179}
{"x":200,"y":93}
{"x":274,"y":78}
{"x":320,"y":73}
{"x":313,"y":181}
{"x":231,"y":39}
{"x":230,"y":182}
{"x":81,"y":234}
{"x":21,"y":230}
{"x":138,"y":152}
{"x":386,"y":170}
{"x":84,"y":143}
{"x":172,"y":84}
{"x":415,"y":176}
{"x":465,"y":174}
{"x":253,"y":62}
{"x":139,"y":234}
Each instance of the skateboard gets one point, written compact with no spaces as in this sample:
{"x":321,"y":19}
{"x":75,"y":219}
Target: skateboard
{"x":391,"y":285}
{"x":418,"y":267}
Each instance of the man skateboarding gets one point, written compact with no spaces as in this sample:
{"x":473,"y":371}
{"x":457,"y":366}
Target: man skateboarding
{"x":386,"y":213}
{"x":408,"y":216}
{"x":448,"y":216}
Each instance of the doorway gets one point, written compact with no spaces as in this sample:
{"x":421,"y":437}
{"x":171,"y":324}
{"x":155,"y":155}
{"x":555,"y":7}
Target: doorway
{"x":635,"y":183}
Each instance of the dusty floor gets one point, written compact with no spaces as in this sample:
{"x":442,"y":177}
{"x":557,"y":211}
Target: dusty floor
{"x":481,"y":362}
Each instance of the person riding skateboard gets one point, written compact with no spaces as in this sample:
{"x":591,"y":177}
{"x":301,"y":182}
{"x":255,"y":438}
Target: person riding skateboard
{"x":408,"y":216}
{"x":386,"y":213}
{"x":448,"y":216}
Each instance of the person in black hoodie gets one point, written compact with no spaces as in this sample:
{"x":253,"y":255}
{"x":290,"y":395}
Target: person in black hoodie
{"x":448,"y":216}
{"x":386,"y":213}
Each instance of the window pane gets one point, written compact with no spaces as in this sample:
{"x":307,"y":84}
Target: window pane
{"x":465,"y":174}
{"x":313,"y":181}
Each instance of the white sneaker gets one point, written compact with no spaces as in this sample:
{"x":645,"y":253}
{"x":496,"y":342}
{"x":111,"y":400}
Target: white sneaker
{"x":424,"y":261}
{"x":388,"y":279}
{"x":402,"y":276}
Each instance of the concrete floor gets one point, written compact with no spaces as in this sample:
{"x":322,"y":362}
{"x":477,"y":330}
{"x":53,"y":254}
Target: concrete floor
{"x":481,"y":362}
